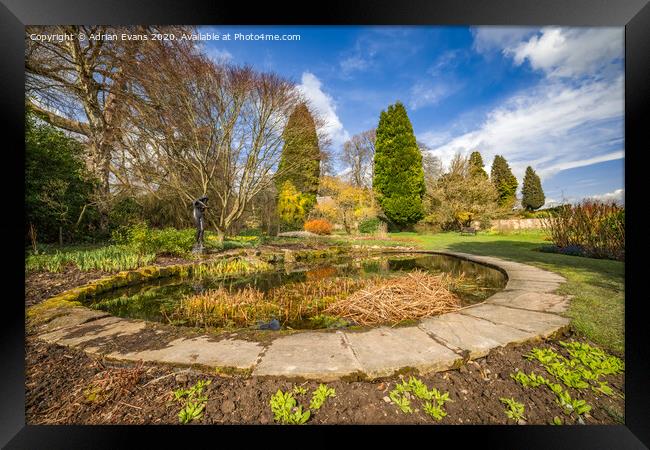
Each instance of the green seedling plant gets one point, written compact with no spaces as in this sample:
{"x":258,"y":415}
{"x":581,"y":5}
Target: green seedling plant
{"x":191,"y":411}
{"x":299,"y":390}
{"x":319,"y":396}
{"x":582,"y":370}
{"x":286,"y":410}
{"x":531,"y":380}
{"x":193,"y":401}
{"x":402,"y":402}
{"x":515,"y":410}
{"x":433,"y":401}
{"x":594,"y":358}
{"x":604,"y":388}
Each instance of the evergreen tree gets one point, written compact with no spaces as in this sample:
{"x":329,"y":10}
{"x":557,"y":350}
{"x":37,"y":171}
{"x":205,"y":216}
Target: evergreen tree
{"x":476,"y":165}
{"x":504,"y":181}
{"x":532,"y":193}
{"x":398,"y":179}
{"x":300,"y":160}
{"x":57,"y":183}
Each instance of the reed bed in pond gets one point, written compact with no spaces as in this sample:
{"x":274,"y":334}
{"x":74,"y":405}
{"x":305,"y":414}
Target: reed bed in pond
{"x":363,"y":301}
{"x":413,"y":296}
{"x":288,"y":303}
{"x":236,"y":266}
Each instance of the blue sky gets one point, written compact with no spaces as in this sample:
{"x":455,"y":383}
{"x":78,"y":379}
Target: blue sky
{"x":547,"y":97}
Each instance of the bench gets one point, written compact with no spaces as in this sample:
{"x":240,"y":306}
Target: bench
{"x":468,"y":230}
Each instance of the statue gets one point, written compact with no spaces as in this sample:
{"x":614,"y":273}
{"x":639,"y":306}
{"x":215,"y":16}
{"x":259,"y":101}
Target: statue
{"x":199,"y":209}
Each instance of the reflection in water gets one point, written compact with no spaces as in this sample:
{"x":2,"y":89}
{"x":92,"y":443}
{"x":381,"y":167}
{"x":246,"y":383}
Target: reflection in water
{"x":152,"y":301}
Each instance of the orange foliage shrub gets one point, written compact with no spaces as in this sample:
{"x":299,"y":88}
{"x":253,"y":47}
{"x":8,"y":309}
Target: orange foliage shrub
{"x":318,"y":226}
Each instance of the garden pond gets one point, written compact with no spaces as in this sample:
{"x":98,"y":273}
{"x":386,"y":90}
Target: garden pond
{"x":158,"y":300}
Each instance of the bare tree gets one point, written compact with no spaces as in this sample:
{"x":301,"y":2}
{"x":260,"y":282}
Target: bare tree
{"x":204,"y":129}
{"x":80,"y":85}
{"x":358,"y":155}
{"x":432,"y":166}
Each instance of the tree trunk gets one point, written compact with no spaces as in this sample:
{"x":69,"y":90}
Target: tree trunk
{"x":60,"y":236}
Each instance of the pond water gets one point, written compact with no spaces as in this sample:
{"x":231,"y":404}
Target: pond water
{"x":154,"y":300}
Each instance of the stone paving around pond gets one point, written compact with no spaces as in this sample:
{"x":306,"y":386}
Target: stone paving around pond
{"x":526,"y":309}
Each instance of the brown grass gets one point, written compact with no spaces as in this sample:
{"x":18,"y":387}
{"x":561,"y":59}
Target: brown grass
{"x":288,"y":303}
{"x":417,"y":294}
{"x":365,"y":301}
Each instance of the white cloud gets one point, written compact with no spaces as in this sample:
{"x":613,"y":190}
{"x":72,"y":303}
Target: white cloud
{"x":428,"y":94}
{"x":552,"y":127}
{"x":445,"y":62}
{"x":435,"y":139}
{"x":550,"y":202}
{"x":323,"y":103}
{"x":218,"y":55}
{"x":376,"y":47}
{"x":569,"y":52}
{"x":491,"y":38}
{"x":617,"y":196}
{"x":582,"y":163}
{"x":354,"y":63}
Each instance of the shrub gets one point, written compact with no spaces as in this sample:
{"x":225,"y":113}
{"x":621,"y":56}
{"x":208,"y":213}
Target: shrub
{"x":593,"y":228}
{"x":242,"y":241}
{"x":168,"y":241}
{"x":318,"y":226}
{"x":124,"y":212}
{"x":293,"y":206}
{"x":251,"y":232}
{"x":369,"y":226}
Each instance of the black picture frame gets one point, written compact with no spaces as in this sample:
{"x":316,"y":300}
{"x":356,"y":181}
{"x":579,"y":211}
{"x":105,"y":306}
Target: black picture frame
{"x":634,"y":15}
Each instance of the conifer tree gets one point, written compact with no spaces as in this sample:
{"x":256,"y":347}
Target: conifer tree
{"x":476,"y":165}
{"x":532,"y":194}
{"x":399,"y":178}
{"x":504,"y":181}
{"x":300,"y":160}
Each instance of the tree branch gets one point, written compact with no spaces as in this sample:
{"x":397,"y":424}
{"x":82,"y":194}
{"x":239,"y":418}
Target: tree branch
{"x":58,"y":121}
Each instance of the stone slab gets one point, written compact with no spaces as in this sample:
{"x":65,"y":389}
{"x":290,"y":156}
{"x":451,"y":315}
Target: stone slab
{"x":534,"y":274}
{"x":107,"y":328}
{"x":477,"y":336}
{"x":309,"y":355}
{"x":542,"y":324}
{"x":201,"y":350}
{"x":382,"y":351}
{"x":534,"y":301}
{"x":532,"y":286}
{"x":72,"y":317}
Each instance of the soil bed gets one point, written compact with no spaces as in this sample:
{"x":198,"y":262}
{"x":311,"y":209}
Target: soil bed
{"x":60,"y":380}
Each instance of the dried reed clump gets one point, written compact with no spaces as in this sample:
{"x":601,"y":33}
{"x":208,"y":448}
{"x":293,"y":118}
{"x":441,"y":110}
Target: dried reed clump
{"x":221,"y":306}
{"x":417,"y":294}
{"x":244,"y":307}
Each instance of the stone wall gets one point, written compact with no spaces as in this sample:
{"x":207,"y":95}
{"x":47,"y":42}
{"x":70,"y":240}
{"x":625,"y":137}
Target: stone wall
{"x":517,"y":224}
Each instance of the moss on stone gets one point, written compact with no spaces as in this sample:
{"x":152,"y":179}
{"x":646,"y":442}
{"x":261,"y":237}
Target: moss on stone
{"x":149,"y":272}
{"x":60,"y":301}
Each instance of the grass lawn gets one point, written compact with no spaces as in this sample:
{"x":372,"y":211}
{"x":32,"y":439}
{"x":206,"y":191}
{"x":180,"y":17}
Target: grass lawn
{"x":598,"y":306}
